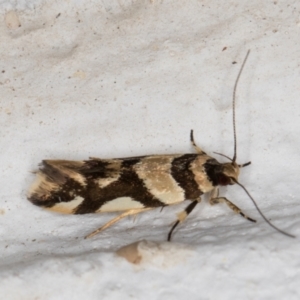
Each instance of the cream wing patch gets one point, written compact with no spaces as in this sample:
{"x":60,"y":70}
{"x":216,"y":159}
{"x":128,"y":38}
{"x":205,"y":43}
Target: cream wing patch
{"x":155,"y":171}
{"x":200,"y":175}
{"x":112,"y":173}
{"x":69,"y":168}
{"x":120,"y":204}
{"x":67,"y":207}
{"x":42,"y":186}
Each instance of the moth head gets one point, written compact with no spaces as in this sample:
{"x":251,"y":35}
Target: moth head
{"x":229,"y":174}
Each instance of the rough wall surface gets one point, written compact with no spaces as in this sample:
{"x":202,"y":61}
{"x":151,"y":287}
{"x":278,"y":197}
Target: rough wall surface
{"x":126,"y":78}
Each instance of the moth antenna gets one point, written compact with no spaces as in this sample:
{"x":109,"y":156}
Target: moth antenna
{"x":260,"y":212}
{"x":223,"y":155}
{"x":240,"y":166}
{"x":245,"y":165}
{"x":233,"y":105}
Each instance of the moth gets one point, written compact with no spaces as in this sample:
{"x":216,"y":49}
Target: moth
{"x":137,"y":184}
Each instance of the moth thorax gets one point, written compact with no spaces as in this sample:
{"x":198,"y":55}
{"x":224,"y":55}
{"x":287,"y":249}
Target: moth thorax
{"x":231,"y":172}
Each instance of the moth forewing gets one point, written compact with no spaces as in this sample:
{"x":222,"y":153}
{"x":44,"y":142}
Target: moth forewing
{"x":136,"y":184}
{"x":119,"y":184}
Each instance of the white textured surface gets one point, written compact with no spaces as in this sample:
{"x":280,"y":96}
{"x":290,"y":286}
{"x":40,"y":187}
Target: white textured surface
{"x":127,"y":78}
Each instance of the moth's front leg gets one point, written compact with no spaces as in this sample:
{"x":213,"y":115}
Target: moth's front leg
{"x":183,"y":215}
{"x":215,"y":199}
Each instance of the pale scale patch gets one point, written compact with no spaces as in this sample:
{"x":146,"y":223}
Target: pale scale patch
{"x":42,"y":186}
{"x":69,"y":168}
{"x":103,"y":182}
{"x":155,"y":171}
{"x":77,"y":177}
{"x":119,"y":204}
{"x":200,"y":175}
{"x":113,"y":173}
{"x":67,"y":207}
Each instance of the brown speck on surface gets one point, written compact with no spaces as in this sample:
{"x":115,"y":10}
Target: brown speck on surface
{"x":12,"y":20}
{"x":131,"y":253}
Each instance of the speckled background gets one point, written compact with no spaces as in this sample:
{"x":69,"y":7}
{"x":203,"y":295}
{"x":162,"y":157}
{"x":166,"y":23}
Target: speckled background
{"x":127,"y":78}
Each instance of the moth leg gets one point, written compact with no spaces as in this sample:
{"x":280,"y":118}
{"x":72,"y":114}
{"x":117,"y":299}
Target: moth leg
{"x":215,"y":199}
{"x":198,"y":149}
{"x":130,"y":212}
{"x":182,"y":216}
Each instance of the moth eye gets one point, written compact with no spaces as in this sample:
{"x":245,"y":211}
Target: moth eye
{"x":223,"y":180}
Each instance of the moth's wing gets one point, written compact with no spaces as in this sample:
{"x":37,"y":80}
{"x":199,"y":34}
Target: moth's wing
{"x":85,"y":186}
{"x":62,"y":185}
{"x":121,"y":158}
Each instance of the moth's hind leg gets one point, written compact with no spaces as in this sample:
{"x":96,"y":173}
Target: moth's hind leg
{"x":130,"y":212}
{"x":198,"y":149}
{"x":215,"y":199}
{"x":182,"y":216}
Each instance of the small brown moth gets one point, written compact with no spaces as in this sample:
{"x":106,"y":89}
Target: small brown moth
{"x":137,"y":184}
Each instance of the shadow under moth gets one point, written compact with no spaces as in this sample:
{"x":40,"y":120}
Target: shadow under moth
{"x":137,"y":184}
